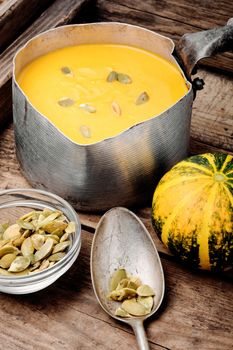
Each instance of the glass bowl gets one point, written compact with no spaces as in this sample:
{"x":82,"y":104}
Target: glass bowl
{"x":16,"y":202}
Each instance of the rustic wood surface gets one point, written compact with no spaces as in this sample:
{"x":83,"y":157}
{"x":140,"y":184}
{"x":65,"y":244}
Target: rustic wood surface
{"x":16,"y":15}
{"x":197,"y":311}
{"x":172,"y":18}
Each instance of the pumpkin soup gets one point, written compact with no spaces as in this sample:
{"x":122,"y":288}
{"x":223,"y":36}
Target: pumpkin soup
{"x":95,"y":91}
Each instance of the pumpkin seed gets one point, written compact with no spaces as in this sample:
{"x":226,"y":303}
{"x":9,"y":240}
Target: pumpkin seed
{"x":3,"y":228}
{"x":36,"y":230}
{"x":26,"y":234}
{"x":34,"y":266}
{"x":32,"y":258}
{"x":12,"y":231}
{"x":122,"y":284}
{"x":55,"y":238}
{"x":27,"y":247}
{"x":67,"y":71}
{"x":132,"y":285}
{"x":66,"y":102}
{"x":4,"y":242}
{"x":87,"y":108}
{"x":4,"y":272}
{"x":71,"y":227}
{"x":121,"y":294}
{"x":142,"y":98}
{"x":56,"y":256}
{"x":146,"y":301}
{"x":134,"y":308}
{"x":85,"y":131}
{"x":55,"y":227}
{"x":45,"y":250}
{"x":60,"y":247}
{"x":28,"y":216}
{"x":6,"y":260}
{"x":121,"y":312}
{"x":44,"y":265}
{"x":135,"y":280}
{"x":117,"y":276}
{"x":26,"y":225}
{"x":112,"y":76}
{"x":51,"y":217}
{"x":8,"y":249}
{"x":13,"y":274}
{"x":18,"y":241}
{"x":116,"y":108}
{"x":46,"y":212}
{"x":19,"y":264}
{"x":37,"y":241}
{"x":64,"y":237}
{"x":124,"y":78}
{"x":145,"y":291}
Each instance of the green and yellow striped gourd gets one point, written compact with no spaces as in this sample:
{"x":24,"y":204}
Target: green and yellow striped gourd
{"x":192,"y":211}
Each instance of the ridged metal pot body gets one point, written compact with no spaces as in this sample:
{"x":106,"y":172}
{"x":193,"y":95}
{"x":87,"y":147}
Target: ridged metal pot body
{"x":121,"y":170}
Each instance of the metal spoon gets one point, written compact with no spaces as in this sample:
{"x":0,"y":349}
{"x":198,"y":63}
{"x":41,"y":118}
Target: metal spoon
{"x":121,"y":240}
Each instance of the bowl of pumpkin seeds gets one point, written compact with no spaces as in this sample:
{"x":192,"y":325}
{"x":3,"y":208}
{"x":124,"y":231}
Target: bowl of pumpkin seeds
{"x":40,"y":239}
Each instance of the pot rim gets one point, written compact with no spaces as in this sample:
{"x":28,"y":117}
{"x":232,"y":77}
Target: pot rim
{"x":99,"y":24}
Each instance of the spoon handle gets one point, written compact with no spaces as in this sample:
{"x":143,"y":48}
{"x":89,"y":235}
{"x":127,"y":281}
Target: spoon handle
{"x":140,"y":334}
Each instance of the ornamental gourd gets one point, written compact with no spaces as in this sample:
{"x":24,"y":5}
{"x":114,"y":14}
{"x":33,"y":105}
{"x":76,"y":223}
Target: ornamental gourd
{"x":192,"y":211}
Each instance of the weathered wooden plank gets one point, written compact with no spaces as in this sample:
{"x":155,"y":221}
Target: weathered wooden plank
{"x":172,"y":18}
{"x":59,"y":13}
{"x":197,"y":147}
{"x":196,"y":314}
{"x":212,"y":117}
{"x":16,"y":15}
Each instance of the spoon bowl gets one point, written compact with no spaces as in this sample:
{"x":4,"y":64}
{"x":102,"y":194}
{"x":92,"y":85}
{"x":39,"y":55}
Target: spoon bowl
{"x":122,"y":241}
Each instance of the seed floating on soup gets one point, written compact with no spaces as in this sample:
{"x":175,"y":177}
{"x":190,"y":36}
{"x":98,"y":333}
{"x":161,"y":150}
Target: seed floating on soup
{"x":142,"y":98}
{"x":66,"y":102}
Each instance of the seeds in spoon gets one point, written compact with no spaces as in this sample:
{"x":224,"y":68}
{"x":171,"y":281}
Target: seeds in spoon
{"x":146,"y":301}
{"x":117,"y":276}
{"x":145,"y":291}
{"x":121,"y":312}
{"x":134,"y":308}
{"x":137,"y":298}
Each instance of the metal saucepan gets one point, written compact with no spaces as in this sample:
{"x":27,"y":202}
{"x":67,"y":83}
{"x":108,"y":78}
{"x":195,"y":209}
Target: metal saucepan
{"x":122,"y":170}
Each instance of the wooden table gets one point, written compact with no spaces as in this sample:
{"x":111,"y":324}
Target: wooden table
{"x":197,"y":311}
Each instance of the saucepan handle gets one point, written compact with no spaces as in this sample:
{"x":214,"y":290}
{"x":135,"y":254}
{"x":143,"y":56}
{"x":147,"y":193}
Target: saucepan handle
{"x":193,"y":47}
